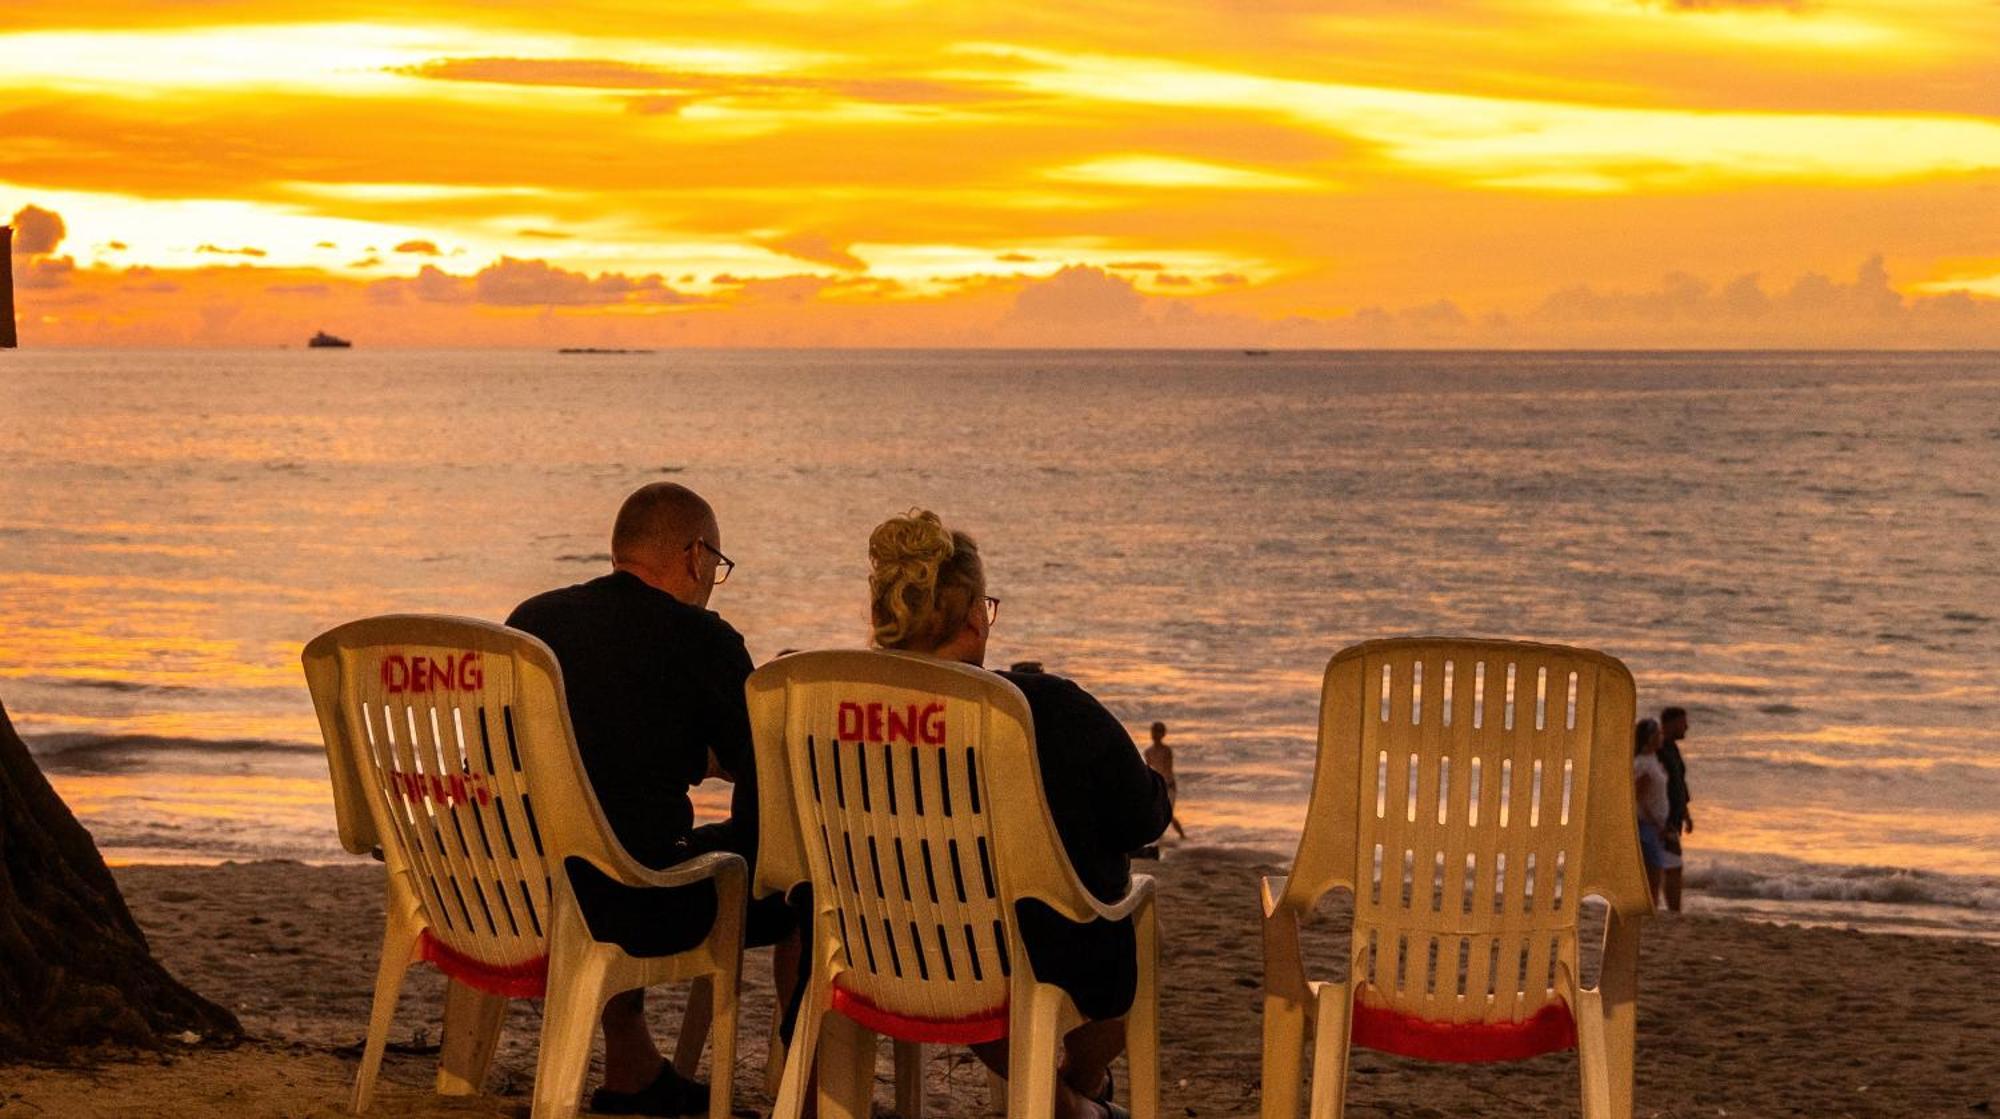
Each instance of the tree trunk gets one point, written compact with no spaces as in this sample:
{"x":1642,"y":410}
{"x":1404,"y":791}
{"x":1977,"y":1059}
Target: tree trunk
{"x":75,"y":970}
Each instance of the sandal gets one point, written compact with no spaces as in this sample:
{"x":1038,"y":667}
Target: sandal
{"x":670,"y":1094}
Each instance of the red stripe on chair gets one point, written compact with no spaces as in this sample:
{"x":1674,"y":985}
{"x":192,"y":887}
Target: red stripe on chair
{"x":988,"y":1026}
{"x":1548,"y":1030}
{"x":527,"y":980}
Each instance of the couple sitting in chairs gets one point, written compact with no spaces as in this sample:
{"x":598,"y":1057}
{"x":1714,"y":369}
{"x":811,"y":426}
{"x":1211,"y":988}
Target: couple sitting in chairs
{"x":655,"y":685}
{"x":911,"y":772}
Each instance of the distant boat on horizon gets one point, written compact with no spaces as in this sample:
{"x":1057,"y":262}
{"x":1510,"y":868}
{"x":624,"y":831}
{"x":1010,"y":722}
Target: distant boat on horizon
{"x":1256,"y":353}
{"x":325,"y":341}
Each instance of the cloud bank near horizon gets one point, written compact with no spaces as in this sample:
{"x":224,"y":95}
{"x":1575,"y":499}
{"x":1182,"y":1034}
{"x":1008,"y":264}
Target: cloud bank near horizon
{"x":1138,"y":303}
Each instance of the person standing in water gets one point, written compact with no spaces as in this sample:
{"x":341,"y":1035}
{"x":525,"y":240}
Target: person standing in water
{"x":1649,"y":792}
{"x":1161,"y":757}
{"x":1680,"y":821}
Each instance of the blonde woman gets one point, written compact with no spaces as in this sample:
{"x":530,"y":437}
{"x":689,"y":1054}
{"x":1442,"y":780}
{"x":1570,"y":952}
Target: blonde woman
{"x":927,"y":591}
{"x":1649,"y":790}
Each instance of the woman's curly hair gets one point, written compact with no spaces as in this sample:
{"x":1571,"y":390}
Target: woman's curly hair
{"x":923,"y":580}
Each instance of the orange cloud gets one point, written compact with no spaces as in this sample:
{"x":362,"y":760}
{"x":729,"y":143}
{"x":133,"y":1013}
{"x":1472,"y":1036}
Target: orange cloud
{"x":816,"y":248}
{"x":537,"y":283}
{"x":37,"y":231}
{"x":612,"y":74}
{"x":531,"y":302}
{"x":1728,"y":5}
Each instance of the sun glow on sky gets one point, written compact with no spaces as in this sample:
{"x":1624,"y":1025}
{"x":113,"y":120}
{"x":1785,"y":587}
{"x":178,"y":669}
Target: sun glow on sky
{"x":1474,"y":172}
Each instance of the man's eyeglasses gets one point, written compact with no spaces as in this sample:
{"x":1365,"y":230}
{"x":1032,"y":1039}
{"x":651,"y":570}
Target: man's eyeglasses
{"x":723,"y":564}
{"x":992,"y":609}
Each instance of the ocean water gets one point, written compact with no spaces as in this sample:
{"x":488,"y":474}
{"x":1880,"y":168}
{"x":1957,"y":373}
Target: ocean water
{"x":1799,"y":548}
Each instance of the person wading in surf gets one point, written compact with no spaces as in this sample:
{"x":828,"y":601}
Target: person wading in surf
{"x":1680,"y":821}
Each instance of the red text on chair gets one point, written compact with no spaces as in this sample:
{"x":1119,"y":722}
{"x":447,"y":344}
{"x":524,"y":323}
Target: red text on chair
{"x":461,"y":673}
{"x":881,"y":722}
{"x":459,"y":788}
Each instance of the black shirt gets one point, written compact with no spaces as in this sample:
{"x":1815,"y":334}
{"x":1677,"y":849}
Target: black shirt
{"x":653,"y":685}
{"x":1677,"y":784}
{"x":1104,"y":798}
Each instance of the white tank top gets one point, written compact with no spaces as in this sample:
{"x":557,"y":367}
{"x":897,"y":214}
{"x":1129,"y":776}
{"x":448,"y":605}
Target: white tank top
{"x":1651,"y":781}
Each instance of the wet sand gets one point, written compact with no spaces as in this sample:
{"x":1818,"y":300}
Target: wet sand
{"x":1735,"y":1018}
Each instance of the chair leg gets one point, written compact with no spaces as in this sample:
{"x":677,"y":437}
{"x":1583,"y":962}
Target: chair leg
{"x":846,"y":1069}
{"x":723,"y":994}
{"x":799,"y":1059}
{"x":1333,"y":1018}
{"x":1031,"y":1051}
{"x":1606,"y":1022}
{"x":1142,"y":1024}
{"x":694,"y":1026}
{"x":1284,"y":1056}
{"x":578,"y":971}
{"x":1596,"y":1060}
{"x":472,"y":1020}
{"x":910,"y":1079}
{"x":399,"y":947}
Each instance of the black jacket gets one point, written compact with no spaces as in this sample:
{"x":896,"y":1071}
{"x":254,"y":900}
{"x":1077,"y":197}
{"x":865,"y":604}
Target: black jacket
{"x":1105,"y":799}
{"x":653,"y":686}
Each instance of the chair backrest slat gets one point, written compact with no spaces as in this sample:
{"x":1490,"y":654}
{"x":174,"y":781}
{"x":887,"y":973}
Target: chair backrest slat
{"x":1459,"y":798}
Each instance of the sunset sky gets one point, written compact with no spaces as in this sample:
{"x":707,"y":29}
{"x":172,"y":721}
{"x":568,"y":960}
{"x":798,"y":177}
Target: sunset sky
{"x":1131,"y":172}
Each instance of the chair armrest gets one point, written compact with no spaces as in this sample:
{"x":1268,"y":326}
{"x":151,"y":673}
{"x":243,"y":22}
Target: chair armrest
{"x":1272,"y":889}
{"x":1284,"y":959}
{"x":1618,"y":976}
{"x":1141,"y":894}
{"x":726,"y":867}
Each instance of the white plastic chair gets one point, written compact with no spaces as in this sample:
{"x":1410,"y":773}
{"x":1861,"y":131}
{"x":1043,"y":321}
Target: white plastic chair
{"x":450,"y":750}
{"x":1469,"y":794}
{"x":914,"y":808}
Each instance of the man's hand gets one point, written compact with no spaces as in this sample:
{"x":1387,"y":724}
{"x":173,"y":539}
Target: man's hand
{"x":1687,"y":823}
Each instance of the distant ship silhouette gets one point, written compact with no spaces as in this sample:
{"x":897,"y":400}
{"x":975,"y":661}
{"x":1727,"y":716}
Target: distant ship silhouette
{"x":325,"y":341}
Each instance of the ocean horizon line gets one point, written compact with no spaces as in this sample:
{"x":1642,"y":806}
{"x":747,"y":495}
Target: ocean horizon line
{"x":1247,"y":350}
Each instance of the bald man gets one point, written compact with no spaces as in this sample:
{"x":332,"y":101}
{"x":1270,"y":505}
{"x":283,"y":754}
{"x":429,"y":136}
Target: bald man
{"x":655,"y":687}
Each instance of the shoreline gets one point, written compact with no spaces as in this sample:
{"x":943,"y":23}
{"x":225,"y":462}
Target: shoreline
{"x":184,"y":808}
{"x":1736,"y":1015}
{"x":1863,"y":915}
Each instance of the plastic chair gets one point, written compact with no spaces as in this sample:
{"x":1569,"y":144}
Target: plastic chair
{"x":914,"y":809}
{"x":450,"y":749}
{"x":1469,"y":794}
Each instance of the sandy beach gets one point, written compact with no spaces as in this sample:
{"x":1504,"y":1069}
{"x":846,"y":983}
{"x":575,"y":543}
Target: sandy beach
{"x":1735,"y":1018}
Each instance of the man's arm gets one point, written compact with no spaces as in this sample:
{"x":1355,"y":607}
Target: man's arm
{"x":724,"y":723}
{"x":1687,"y":802}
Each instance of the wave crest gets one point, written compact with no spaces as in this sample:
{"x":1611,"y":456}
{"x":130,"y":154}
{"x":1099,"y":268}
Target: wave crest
{"x":1818,"y":882}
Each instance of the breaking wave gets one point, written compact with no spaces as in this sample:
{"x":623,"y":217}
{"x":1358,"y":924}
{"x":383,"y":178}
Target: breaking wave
{"x":130,"y":753}
{"x":1779,"y":879}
